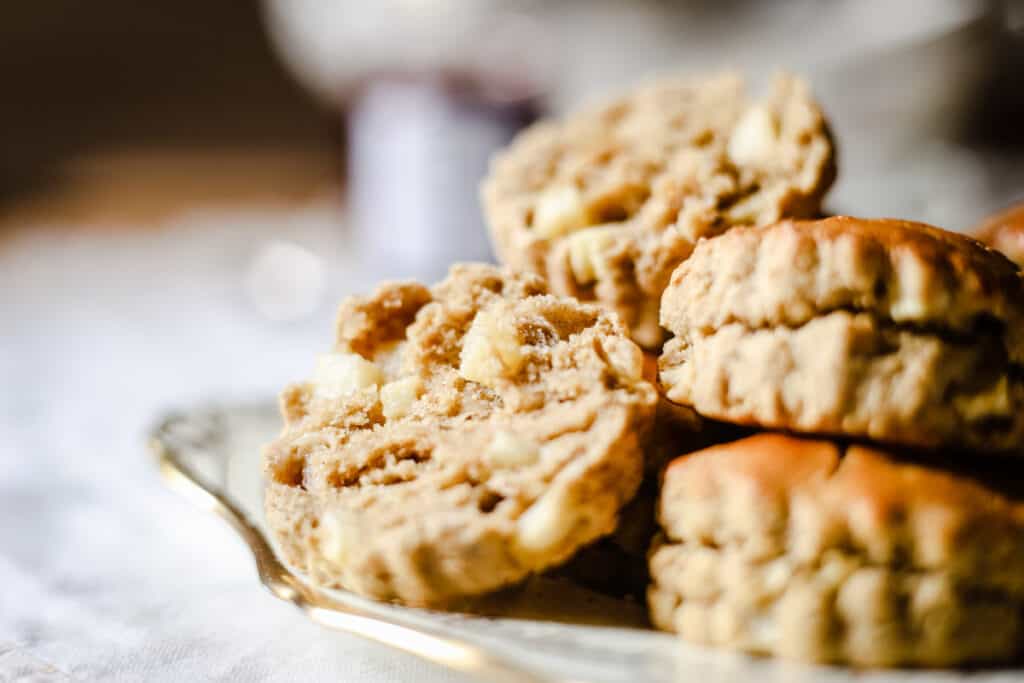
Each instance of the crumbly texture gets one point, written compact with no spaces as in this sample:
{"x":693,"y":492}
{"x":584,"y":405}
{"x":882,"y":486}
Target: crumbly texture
{"x":874,"y":328}
{"x":1004,"y":231}
{"x":458,"y":439}
{"x":847,"y":374}
{"x":816,"y":551}
{"x":617,"y":563}
{"x":609,"y":201}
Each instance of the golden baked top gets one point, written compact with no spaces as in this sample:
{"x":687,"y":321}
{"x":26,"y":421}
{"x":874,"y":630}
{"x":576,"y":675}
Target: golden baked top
{"x":771,"y":494}
{"x":901,"y":272}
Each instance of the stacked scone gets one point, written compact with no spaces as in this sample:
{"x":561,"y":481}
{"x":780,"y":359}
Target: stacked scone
{"x":890,"y":537}
{"x":840,"y":393}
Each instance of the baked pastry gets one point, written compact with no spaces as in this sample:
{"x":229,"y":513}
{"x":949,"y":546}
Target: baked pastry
{"x":458,"y":439}
{"x":884,"y":329}
{"x":617,"y":563}
{"x":607,"y":202}
{"x":1005,"y":231}
{"x":817,"y":551}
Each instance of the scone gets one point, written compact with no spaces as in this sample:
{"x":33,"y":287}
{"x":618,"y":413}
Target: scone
{"x":885,"y":329}
{"x":458,"y":439}
{"x":816,"y":551}
{"x":617,"y":564}
{"x":1005,"y":231}
{"x":609,"y":201}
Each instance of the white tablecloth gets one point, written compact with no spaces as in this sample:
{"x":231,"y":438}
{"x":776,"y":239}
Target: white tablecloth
{"x":105,"y":575}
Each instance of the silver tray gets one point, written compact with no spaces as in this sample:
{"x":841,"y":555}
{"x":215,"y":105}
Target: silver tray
{"x":548,"y":631}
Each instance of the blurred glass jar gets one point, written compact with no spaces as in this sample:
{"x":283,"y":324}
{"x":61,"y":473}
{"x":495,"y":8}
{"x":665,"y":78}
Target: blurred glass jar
{"x":430,"y":90}
{"x":433,"y":87}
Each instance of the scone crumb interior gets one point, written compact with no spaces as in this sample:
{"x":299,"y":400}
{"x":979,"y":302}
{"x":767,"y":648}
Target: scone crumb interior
{"x":489,"y":433}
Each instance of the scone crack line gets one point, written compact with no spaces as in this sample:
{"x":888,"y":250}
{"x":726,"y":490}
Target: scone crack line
{"x":889,"y":340}
{"x":836,"y":551}
{"x":901,"y":272}
{"x":886,"y":382}
{"x":384,"y":462}
{"x":836,"y":514}
{"x":966,"y":585}
{"x":733,"y":552}
{"x":989,"y":329}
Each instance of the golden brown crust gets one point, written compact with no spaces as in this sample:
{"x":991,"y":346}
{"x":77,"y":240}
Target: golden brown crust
{"x":818,"y":551}
{"x":773,"y":463}
{"x":772,"y":494}
{"x":793,"y":271}
{"x":1004,"y":231}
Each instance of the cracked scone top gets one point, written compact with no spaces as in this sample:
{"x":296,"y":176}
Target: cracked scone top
{"x":609,"y":201}
{"x":458,"y":438}
{"x":810,"y":550}
{"x":885,"y":329}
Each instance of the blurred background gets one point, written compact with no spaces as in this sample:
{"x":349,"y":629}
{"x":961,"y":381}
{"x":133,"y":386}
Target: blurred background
{"x":187,"y":189}
{"x":124,"y":115}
